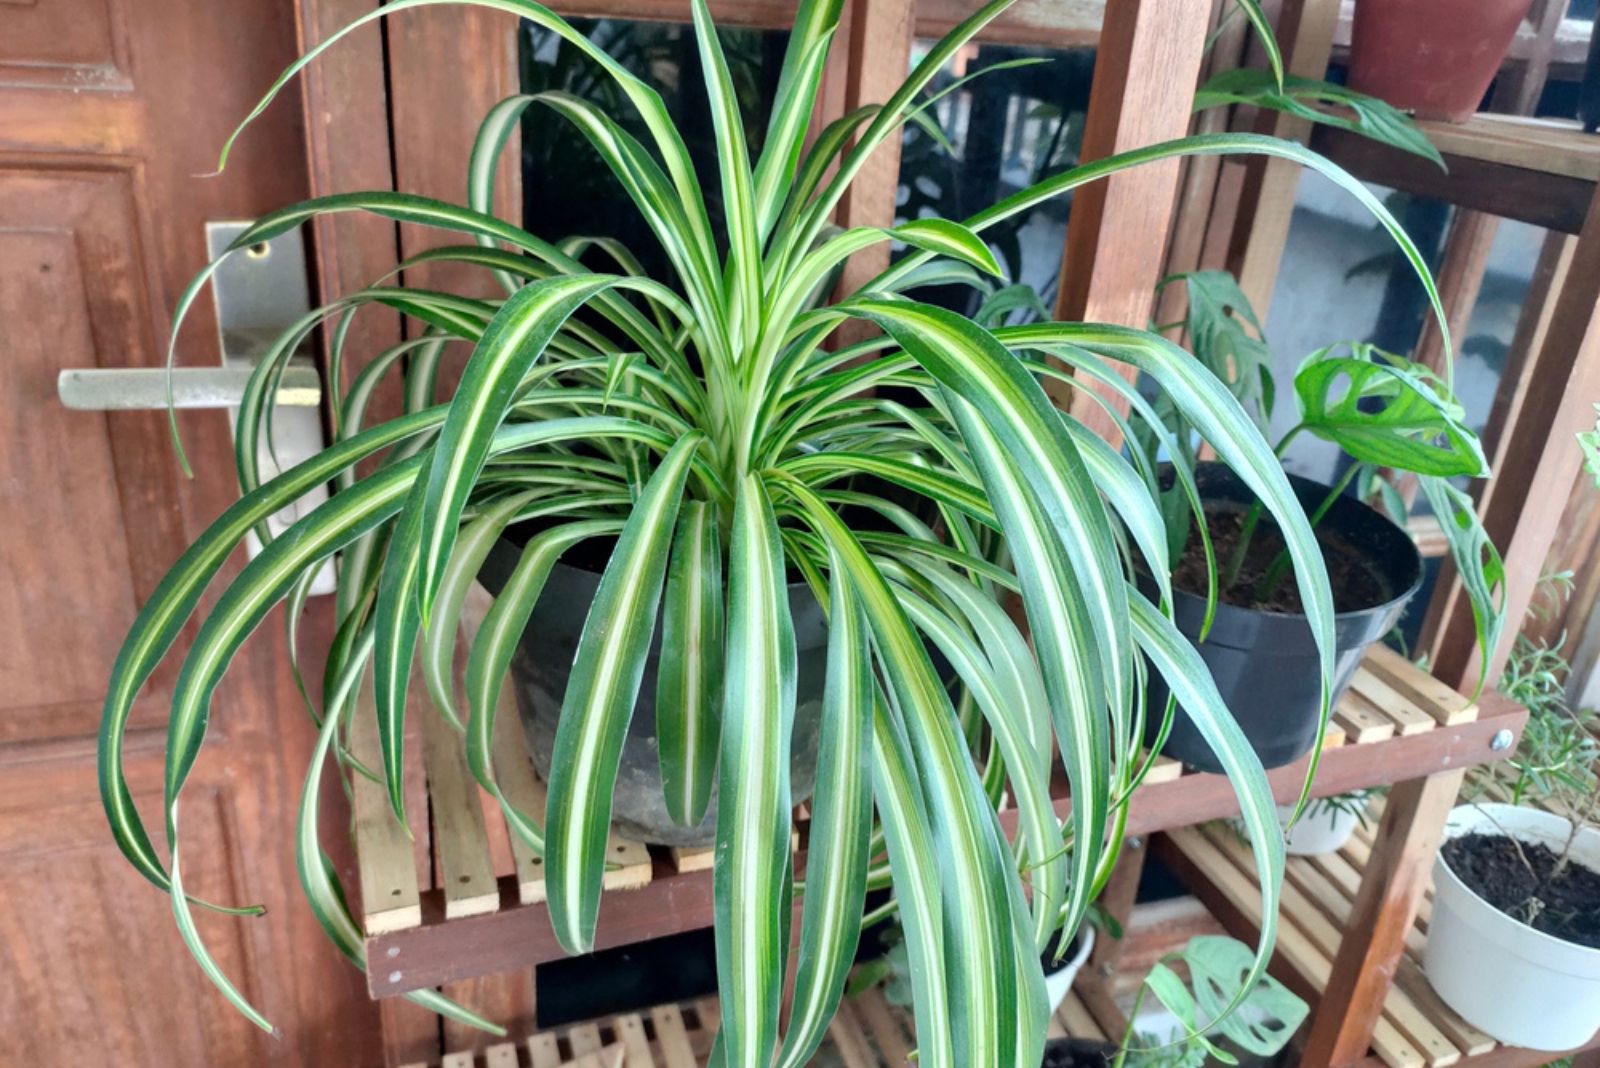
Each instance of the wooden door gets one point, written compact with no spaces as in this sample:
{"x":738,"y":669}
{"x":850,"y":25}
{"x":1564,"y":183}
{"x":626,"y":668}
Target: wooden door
{"x":109,"y":109}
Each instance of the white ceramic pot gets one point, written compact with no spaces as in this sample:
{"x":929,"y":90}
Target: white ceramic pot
{"x":1517,"y":984}
{"x":1058,"y":982}
{"x":1322,"y":828}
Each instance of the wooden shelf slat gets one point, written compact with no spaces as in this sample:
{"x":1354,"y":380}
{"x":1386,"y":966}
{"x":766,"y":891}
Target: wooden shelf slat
{"x":1553,"y":200}
{"x":867,"y":1032}
{"x":470,"y":888}
{"x":388,"y":874}
{"x":1435,"y":697}
{"x":1416,"y":1028}
{"x":437,"y":947}
{"x":1362,"y":723}
{"x":514,"y":772}
{"x":1299,"y":909}
{"x":1548,"y":146}
{"x":1240,"y":891}
{"x":1077,"y":1021}
{"x":1407,"y":716}
{"x":1541,"y":171}
{"x":1197,"y":797}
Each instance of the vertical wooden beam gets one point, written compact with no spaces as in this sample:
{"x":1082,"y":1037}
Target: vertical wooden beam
{"x":474,"y":53}
{"x":1383,"y":911}
{"x":1144,"y":78}
{"x":1261,"y":225}
{"x":1535,"y":457}
{"x":1521,"y":84}
{"x":876,"y":56}
{"x":1118,"y":900}
{"x":1461,"y":271}
{"x":346,"y":111}
{"x":1562,"y":625}
{"x":1198,"y":189}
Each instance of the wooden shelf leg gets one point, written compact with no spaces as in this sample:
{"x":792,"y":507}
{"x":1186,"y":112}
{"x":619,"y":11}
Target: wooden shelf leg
{"x":1117,"y":899}
{"x":873,"y":61}
{"x":1094,"y":981}
{"x":1535,"y":461}
{"x":1383,"y":911}
{"x":1266,"y":201}
{"x":1117,"y":232}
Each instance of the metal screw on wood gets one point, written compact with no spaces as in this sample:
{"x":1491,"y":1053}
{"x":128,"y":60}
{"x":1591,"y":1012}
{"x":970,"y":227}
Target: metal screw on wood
{"x":1501,"y":741}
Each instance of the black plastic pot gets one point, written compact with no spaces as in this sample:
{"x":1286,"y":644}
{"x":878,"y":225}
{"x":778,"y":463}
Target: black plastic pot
{"x":1077,"y":1053}
{"x":543,"y":662}
{"x":1265,"y":663}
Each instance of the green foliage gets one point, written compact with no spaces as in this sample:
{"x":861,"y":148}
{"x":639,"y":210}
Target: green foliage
{"x":1589,"y":442}
{"x":1557,"y":753}
{"x":1319,"y":102}
{"x":700,"y":422}
{"x":1354,"y":803}
{"x":1387,"y":413}
{"x":1385,"y":410}
{"x":1224,"y":998}
{"x":1228,"y":339}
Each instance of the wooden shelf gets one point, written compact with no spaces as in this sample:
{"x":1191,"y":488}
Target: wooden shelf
{"x":1548,"y":146}
{"x":1416,"y":1030}
{"x":1541,"y":171}
{"x":486,"y":913}
{"x":867,"y":1032}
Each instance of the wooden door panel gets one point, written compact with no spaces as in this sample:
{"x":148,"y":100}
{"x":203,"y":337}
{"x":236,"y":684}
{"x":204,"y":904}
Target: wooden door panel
{"x":93,"y":519}
{"x":64,"y":44}
{"x":80,"y":930}
{"x":109,"y":112}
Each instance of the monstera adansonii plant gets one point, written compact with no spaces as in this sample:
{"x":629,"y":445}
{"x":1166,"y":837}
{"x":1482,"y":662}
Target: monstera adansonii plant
{"x":709,"y":430}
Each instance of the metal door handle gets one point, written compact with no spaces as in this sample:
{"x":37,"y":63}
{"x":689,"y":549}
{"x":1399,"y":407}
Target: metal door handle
{"x":135,"y":388}
{"x":260,"y":291}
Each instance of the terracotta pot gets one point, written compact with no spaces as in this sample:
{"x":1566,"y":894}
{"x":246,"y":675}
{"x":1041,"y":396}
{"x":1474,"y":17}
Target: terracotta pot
{"x":1432,"y":57}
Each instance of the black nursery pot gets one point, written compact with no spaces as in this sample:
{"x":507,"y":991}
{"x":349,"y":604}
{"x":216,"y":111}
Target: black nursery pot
{"x":543,"y":662}
{"x":1077,"y":1053}
{"x":1265,"y":663}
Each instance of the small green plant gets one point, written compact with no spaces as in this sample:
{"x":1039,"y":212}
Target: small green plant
{"x":1320,"y":102}
{"x":1355,"y":803}
{"x":1266,"y":1017}
{"x":1589,"y":442}
{"x":1339,"y":106}
{"x":1385,"y":412}
{"x":1556,"y":756}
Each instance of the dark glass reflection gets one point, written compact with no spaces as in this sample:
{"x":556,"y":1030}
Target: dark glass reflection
{"x":567,"y":189}
{"x":999,"y":133}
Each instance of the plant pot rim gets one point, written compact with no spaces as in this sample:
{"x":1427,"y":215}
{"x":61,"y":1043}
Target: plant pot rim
{"x":1345,"y":503}
{"x":1085,"y":940}
{"x":505,"y":543}
{"x":1484,"y":818}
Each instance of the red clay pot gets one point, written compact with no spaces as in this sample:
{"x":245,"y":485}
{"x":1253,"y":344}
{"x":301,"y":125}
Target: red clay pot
{"x":1433,"y":57}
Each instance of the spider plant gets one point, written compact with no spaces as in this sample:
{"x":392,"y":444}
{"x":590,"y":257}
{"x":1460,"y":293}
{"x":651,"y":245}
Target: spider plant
{"x":705,"y":423}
